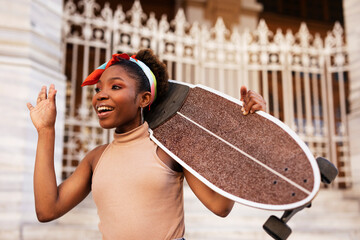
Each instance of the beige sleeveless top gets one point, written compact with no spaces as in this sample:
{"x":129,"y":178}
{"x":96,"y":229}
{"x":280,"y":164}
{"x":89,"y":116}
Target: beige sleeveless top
{"x":136,"y":194}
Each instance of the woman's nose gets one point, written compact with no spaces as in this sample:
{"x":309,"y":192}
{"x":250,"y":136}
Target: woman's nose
{"x":102,"y":95}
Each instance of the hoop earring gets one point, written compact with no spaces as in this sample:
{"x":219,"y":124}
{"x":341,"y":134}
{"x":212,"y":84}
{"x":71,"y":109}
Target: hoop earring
{"x":142,"y":115}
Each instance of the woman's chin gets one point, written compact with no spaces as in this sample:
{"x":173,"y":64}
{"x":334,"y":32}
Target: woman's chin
{"x":106,"y":125}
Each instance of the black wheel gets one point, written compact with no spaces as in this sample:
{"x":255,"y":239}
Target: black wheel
{"x":276,"y":228}
{"x":328,"y":170}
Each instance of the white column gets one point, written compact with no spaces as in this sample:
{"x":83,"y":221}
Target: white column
{"x":30,"y":56}
{"x":352,"y":18}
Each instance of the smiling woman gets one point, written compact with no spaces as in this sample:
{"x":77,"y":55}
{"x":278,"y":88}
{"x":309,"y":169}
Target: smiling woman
{"x":137,"y":187}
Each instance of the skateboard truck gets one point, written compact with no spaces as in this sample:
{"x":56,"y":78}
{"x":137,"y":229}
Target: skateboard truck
{"x":277,"y":228}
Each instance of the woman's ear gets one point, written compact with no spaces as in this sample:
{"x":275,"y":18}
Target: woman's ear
{"x":145,"y":99}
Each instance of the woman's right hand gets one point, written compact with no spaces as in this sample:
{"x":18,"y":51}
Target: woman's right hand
{"x":43,"y":115}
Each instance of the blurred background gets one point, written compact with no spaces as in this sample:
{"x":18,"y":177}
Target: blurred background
{"x":303,"y":56}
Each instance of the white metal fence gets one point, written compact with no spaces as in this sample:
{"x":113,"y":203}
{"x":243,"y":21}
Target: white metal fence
{"x":303,"y":78}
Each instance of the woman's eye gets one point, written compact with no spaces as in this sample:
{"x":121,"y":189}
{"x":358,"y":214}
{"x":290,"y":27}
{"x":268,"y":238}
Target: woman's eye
{"x":116,"y":87}
{"x":97,"y":89}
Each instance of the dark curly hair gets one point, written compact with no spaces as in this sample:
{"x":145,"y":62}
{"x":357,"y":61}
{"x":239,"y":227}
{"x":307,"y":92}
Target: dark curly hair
{"x":148,"y":57}
{"x":158,"y":68}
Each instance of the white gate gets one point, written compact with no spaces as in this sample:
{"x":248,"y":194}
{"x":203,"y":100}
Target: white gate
{"x":303,"y":78}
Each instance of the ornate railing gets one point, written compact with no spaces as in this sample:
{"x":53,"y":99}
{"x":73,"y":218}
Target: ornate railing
{"x":303,"y":78}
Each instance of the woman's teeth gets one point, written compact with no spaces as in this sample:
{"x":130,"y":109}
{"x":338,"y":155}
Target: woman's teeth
{"x":104,"y":109}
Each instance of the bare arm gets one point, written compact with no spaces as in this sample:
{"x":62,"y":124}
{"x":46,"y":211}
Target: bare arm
{"x":52,"y":201}
{"x":215,"y":202}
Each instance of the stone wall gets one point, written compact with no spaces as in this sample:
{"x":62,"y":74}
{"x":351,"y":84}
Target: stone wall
{"x":30,"y":56}
{"x":352,"y":16}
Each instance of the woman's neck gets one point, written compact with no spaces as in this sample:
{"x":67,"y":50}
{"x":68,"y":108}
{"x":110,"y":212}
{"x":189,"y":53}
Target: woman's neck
{"x":128,"y":127}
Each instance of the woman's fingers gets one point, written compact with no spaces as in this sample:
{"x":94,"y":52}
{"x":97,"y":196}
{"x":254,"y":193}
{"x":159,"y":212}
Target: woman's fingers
{"x":252,"y":101}
{"x":243,"y":92}
{"x":30,"y":106}
{"x":256,"y":107}
{"x":52,"y":93}
{"x":42,"y":95}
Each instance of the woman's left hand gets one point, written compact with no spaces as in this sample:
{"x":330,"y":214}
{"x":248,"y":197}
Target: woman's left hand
{"x":252,"y":101}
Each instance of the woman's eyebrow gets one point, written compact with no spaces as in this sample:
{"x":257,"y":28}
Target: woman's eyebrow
{"x":117,"y":78}
{"x":112,"y":79}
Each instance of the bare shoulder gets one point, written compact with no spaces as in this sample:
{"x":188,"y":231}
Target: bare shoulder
{"x":169,"y":161}
{"x":94,"y":155}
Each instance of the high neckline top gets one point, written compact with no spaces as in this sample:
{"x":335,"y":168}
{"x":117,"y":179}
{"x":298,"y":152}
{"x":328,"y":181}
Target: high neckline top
{"x":133,"y":136}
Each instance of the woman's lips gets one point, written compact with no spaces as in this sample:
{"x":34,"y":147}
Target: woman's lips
{"x":103,"y":115}
{"x":104,"y":111}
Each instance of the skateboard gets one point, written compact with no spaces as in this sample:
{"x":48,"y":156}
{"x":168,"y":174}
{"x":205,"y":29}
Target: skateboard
{"x":255,"y":160}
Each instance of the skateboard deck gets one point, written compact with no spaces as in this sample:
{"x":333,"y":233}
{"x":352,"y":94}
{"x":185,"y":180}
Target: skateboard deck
{"x":255,"y":160}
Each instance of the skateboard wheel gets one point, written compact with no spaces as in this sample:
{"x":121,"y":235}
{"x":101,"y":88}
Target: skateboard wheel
{"x":327,"y":170}
{"x":276,"y":228}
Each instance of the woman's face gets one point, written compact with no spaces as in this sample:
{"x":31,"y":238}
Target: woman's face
{"x":116,"y":100}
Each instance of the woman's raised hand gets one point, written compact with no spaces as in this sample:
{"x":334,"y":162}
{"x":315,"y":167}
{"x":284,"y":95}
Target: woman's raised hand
{"x":43,"y":115}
